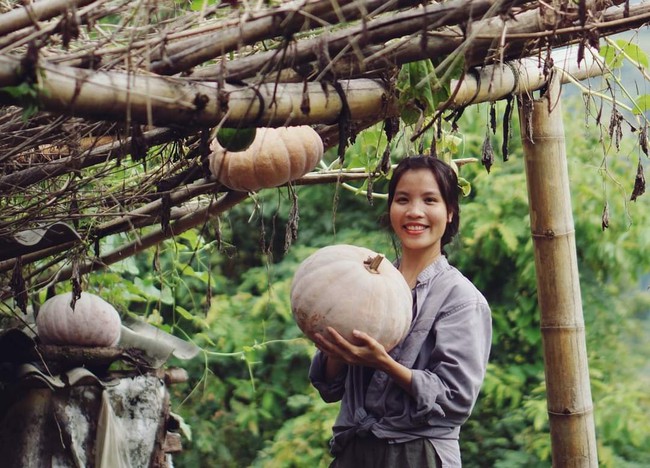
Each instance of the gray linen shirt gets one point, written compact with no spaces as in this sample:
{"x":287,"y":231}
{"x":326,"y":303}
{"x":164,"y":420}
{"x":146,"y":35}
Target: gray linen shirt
{"x":447,"y":349}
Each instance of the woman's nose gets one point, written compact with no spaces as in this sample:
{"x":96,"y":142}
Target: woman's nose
{"x":414,"y":210}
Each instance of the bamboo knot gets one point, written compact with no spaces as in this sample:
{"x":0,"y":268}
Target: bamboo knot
{"x":551,"y":234}
{"x":572,"y":412}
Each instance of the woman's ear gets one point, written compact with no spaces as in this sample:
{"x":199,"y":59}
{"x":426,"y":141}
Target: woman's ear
{"x":450,"y":216}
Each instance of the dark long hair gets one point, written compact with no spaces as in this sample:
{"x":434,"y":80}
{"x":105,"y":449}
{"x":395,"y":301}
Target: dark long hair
{"x":447,"y":182}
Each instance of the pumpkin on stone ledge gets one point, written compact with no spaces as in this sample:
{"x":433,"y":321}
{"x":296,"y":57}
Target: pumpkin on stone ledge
{"x":92,"y":322}
{"x":347,"y":287}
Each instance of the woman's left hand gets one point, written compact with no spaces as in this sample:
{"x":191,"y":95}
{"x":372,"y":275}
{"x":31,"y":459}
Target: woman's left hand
{"x":365,"y":352}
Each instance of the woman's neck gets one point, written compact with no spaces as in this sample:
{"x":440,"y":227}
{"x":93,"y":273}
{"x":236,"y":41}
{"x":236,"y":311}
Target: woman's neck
{"x":412,"y":263}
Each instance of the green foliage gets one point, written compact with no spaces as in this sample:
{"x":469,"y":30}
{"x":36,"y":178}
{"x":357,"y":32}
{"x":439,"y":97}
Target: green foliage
{"x":26,"y":95}
{"x":248,"y":401}
{"x":304,"y":440}
{"x":236,"y":139}
{"x":617,"y":51}
{"x":420,"y":91}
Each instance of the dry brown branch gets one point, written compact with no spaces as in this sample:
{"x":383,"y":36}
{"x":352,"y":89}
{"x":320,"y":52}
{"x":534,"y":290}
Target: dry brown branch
{"x":524,"y":36}
{"x":95,"y":155}
{"x":181,"y":225}
{"x":357,"y":37}
{"x":281,"y":22}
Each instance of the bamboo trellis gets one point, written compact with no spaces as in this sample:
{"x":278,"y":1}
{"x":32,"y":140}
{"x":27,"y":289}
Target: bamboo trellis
{"x":158,"y":81}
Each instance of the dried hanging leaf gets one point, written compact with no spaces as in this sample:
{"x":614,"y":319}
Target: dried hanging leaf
{"x":639,"y":182}
{"x":74,"y":210}
{"x":139,"y":145}
{"x":291,"y":232}
{"x":369,"y":195}
{"x":17,"y":285}
{"x":493,"y":118}
{"x":581,"y":51}
{"x":305,"y":106}
{"x":391,"y":127}
{"x":507,"y":127}
{"x":384,"y":165}
{"x":165,"y":211}
{"x":433,"y":151}
{"x":75,"y":280}
{"x":526,"y":109}
{"x":345,"y":133}
{"x":454,"y":123}
{"x":69,"y":27}
{"x":487,"y":153}
{"x":615,"y":127}
{"x":605,"y":217}
{"x":155,"y":262}
{"x":643,"y":139}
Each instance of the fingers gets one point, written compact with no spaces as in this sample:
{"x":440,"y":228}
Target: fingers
{"x":322,"y":343}
{"x":365,"y":350}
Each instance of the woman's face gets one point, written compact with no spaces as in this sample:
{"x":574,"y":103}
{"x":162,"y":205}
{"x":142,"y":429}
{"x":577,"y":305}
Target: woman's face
{"x":418,"y":213}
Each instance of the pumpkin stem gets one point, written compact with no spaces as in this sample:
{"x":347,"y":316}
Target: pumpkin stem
{"x":372,"y":263}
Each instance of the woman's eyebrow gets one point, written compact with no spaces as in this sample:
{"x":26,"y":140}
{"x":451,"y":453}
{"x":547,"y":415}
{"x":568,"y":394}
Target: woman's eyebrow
{"x":426,"y":193}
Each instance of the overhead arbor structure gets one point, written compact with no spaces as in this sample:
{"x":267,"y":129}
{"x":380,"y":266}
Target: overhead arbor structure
{"x":109,"y":107}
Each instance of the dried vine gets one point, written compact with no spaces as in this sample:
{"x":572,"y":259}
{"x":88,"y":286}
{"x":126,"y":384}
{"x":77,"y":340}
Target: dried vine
{"x":107,"y":104}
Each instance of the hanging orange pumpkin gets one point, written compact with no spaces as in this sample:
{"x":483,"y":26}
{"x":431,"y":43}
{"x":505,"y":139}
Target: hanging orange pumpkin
{"x":348,"y":287}
{"x":275,"y":157}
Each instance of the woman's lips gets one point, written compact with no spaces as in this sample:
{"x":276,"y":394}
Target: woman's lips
{"x":414,"y":228}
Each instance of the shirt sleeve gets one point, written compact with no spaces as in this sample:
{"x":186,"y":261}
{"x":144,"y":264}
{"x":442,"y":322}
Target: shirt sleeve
{"x":447,"y":386}
{"x":329,"y":391}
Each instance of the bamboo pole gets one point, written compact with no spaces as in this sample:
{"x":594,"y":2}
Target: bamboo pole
{"x":155,"y":100}
{"x":32,"y":12}
{"x":569,"y":403}
{"x":495,"y":82}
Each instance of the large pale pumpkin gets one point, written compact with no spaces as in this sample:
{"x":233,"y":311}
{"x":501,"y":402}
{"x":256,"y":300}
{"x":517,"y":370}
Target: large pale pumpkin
{"x":93,"y":322}
{"x":349,"y":287}
{"x":275,"y":157}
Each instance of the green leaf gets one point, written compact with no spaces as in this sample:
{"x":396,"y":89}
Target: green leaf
{"x":612,"y":58}
{"x":184,"y":313}
{"x":634,"y":52}
{"x":642,"y":104}
{"x":465,"y":186}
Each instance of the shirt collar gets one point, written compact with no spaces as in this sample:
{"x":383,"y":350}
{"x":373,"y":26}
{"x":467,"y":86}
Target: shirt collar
{"x":435,"y":267}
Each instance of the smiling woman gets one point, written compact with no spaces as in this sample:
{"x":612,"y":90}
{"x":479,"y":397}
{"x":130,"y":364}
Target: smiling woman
{"x":409,"y":403}
{"x":419,"y":216}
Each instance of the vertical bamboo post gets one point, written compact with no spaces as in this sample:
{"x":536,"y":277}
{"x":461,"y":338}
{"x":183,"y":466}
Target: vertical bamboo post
{"x":569,"y":403}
